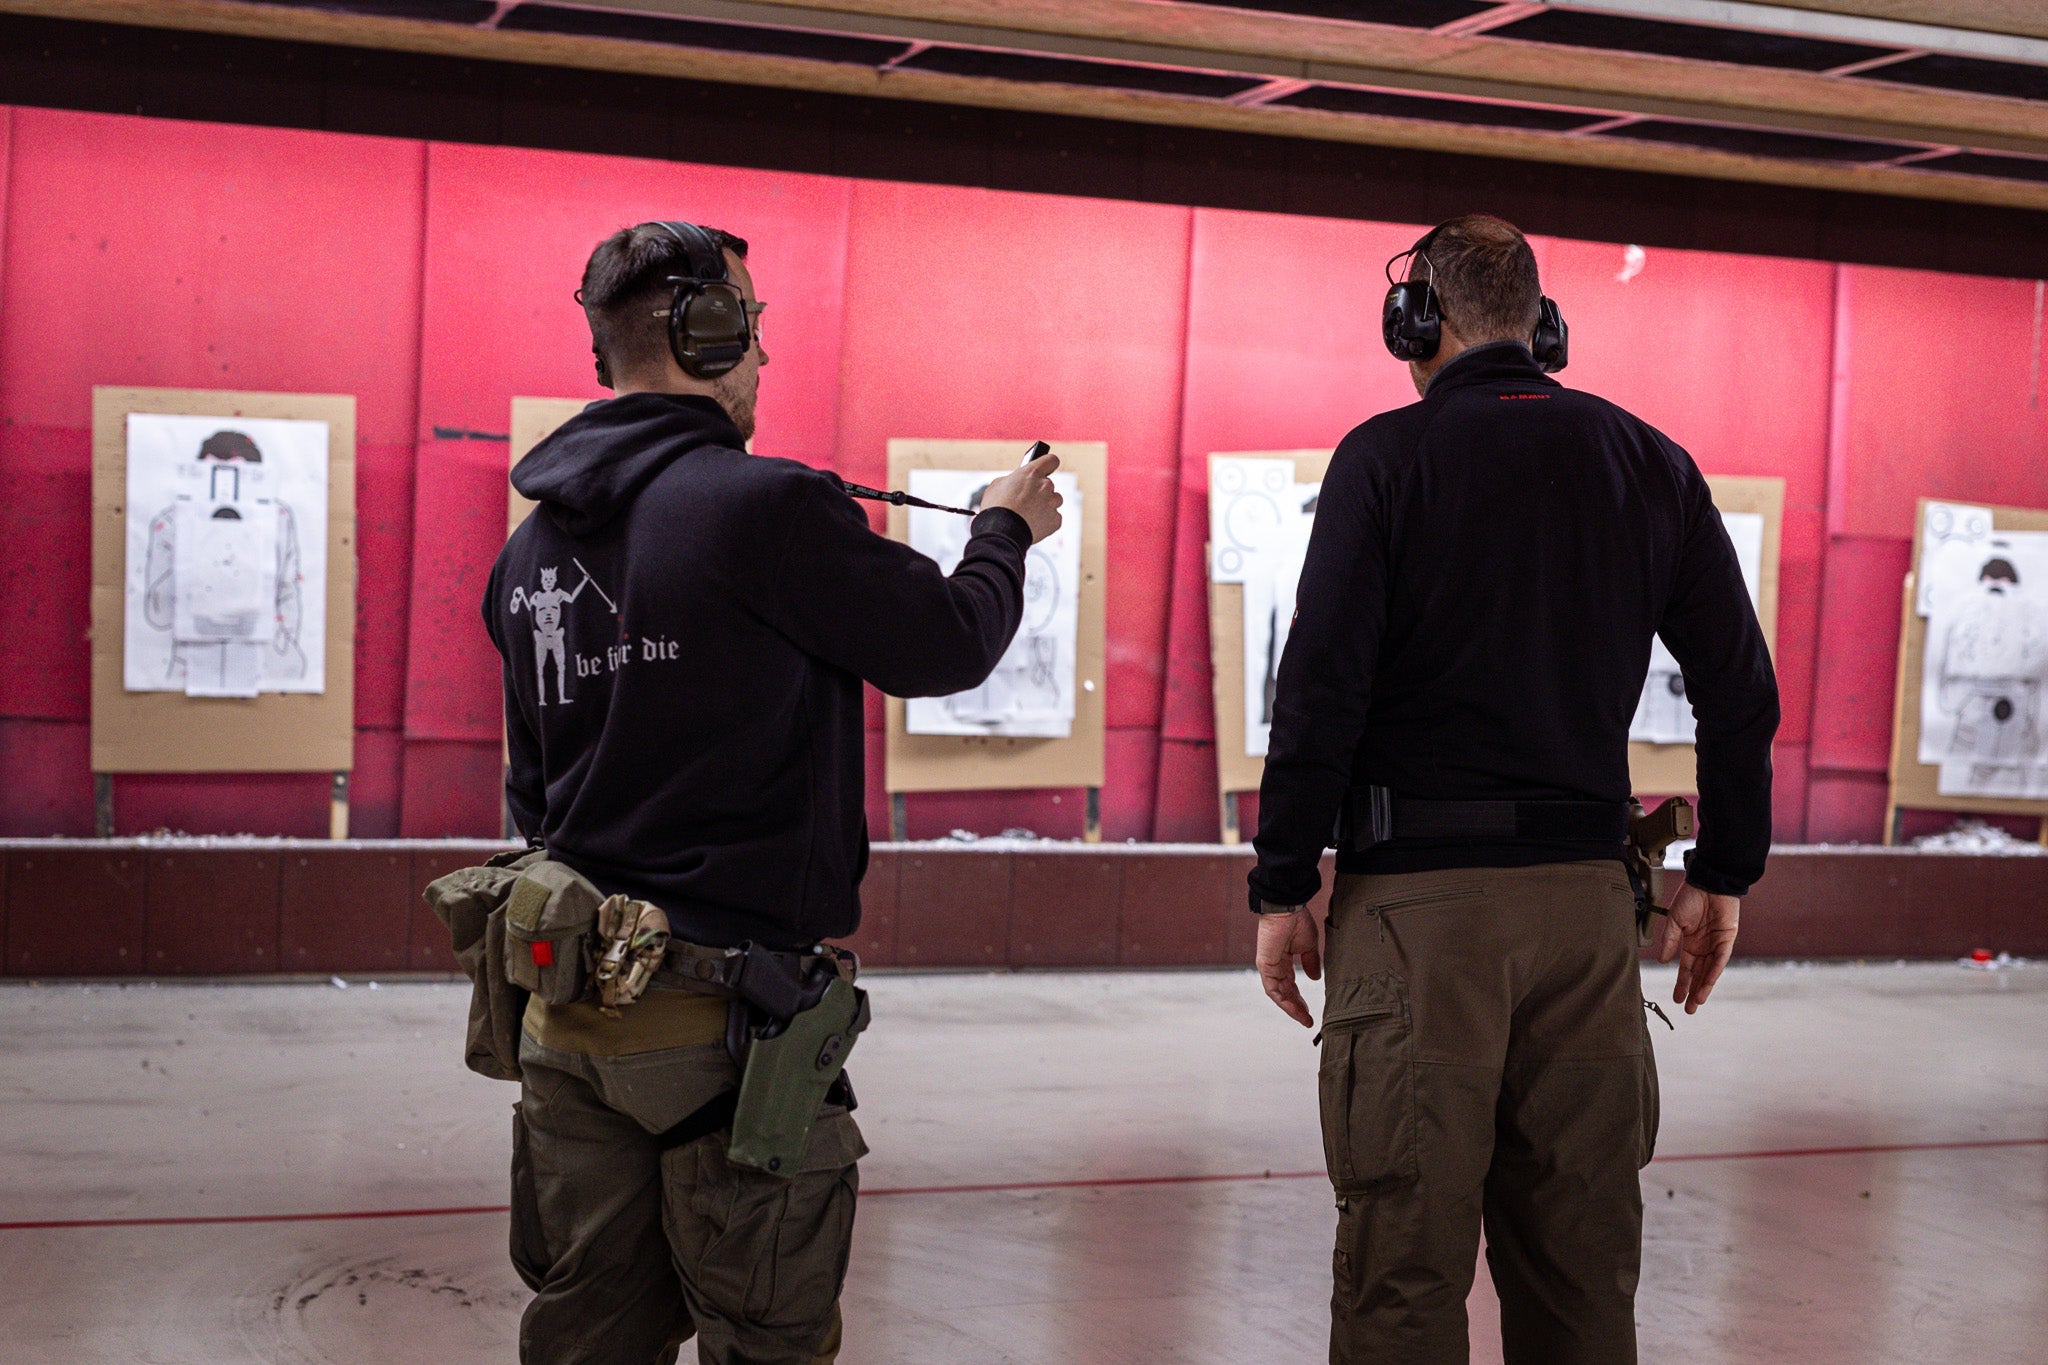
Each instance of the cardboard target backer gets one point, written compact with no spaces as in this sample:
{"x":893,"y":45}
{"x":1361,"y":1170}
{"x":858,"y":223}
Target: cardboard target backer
{"x":992,"y":761}
{"x":254,"y":582}
{"x":1917,"y":785}
{"x":1672,"y":769}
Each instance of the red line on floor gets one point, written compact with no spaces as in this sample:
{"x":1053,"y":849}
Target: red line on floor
{"x":1003,"y":1188}
{"x":204,"y":1220}
{"x":1865,"y":1150}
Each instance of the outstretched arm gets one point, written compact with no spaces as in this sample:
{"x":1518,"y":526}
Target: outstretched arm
{"x":885,"y":612}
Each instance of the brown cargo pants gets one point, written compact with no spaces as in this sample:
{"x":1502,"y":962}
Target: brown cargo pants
{"x":1485,"y":1060}
{"x":631,"y":1250}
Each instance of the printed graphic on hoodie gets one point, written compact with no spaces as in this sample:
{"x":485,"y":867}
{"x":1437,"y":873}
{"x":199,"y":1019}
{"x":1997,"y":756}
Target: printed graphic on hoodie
{"x":550,"y":631}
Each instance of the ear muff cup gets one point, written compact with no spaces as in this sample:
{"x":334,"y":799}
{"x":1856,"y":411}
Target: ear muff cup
{"x":1551,"y":343}
{"x":1410,"y":323}
{"x":707,"y":328}
{"x":709,"y":332}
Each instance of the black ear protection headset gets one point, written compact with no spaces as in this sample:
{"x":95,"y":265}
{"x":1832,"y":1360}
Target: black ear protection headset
{"x":1412,"y":320}
{"x":709,"y":330}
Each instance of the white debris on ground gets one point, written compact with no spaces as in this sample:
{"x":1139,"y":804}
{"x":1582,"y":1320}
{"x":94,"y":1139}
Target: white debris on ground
{"x":1984,"y":962}
{"x":1976,"y":836}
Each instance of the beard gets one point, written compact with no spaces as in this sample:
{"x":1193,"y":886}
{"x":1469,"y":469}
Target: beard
{"x":737,"y":392}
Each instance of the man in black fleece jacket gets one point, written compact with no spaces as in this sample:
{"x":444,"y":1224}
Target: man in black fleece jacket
{"x":685,"y":629}
{"x":1472,"y":632}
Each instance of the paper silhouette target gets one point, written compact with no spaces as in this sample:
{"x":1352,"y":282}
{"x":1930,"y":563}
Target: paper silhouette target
{"x":1984,"y":675}
{"x":1260,"y":518}
{"x":226,"y":580}
{"x":1031,"y":693}
{"x":1664,"y":712}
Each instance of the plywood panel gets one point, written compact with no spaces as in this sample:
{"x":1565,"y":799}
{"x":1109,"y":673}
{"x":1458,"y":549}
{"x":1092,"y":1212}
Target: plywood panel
{"x":171,"y":732}
{"x":924,"y":763}
{"x":533,"y":421}
{"x":1914,"y":785}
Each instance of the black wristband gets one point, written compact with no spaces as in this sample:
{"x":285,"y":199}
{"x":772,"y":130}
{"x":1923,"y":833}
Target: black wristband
{"x":1262,"y":906}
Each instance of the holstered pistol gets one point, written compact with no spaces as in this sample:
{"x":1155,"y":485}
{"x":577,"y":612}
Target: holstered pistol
{"x":1649,"y":835}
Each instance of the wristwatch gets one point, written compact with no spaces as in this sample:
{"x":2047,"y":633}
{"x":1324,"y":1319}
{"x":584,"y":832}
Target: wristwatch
{"x":1261,"y":906}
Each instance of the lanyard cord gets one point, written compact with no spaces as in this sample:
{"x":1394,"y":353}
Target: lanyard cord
{"x":899,"y":499}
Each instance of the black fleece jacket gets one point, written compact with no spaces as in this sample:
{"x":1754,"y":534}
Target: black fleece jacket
{"x":685,"y":628}
{"x":1487,"y":569}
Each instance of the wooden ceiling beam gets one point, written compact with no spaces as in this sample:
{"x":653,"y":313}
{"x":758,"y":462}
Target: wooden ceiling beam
{"x":605,"y":54}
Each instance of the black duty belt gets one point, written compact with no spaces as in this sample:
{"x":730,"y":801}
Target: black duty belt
{"x":1377,"y":815}
{"x":772,"y":980}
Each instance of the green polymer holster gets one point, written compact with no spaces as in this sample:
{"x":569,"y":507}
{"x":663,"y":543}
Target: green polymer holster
{"x":789,"y":1028}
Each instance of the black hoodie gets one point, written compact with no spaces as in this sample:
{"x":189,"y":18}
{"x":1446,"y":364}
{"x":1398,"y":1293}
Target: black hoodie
{"x":685,"y":628}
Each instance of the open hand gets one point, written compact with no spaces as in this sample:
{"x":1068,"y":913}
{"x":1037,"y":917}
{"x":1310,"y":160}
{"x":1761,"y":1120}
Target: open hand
{"x":1282,"y":939}
{"x":1028,"y":492}
{"x":1699,"y":931}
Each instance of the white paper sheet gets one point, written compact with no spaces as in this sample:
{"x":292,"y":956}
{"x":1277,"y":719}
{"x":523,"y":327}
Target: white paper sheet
{"x":1664,"y":713}
{"x":225,"y":545}
{"x":228,"y":668}
{"x":1953,"y":536}
{"x":1272,"y":577}
{"x":1031,"y":693}
{"x":1248,"y":517}
{"x":226,"y":577}
{"x":1984,"y":677}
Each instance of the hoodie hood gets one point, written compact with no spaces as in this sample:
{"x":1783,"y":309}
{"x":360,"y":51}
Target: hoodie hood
{"x":591,"y":466}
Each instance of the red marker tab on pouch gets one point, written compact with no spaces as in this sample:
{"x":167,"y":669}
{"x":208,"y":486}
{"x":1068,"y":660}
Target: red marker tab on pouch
{"x":543,"y":953}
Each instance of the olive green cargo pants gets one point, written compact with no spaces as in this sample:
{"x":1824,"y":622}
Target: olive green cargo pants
{"x":1485,"y":1060}
{"x":631,"y":1250}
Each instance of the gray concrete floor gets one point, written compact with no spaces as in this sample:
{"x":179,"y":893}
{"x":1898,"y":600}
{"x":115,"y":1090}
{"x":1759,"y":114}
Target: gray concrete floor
{"x":179,"y":1102}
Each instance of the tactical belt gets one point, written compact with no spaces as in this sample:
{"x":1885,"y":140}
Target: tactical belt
{"x":1376,"y":815}
{"x":694,"y":967}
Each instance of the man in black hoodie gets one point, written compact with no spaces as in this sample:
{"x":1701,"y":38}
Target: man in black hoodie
{"x":685,"y":628}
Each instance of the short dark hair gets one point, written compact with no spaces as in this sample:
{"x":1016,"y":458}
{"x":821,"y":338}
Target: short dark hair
{"x":1485,"y":277}
{"x":1999,"y":568}
{"x":230,"y":445}
{"x":625,"y":281}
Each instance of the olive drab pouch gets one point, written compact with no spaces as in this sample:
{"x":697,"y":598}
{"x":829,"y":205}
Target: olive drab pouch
{"x":632,"y":939}
{"x":549,"y":917}
{"x":471,"y":902}
{"x":786,"y":1078}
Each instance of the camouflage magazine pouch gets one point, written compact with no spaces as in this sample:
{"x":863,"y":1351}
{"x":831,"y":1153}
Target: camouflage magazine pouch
{"x":471,"y":902}
{"x":549,"y":914}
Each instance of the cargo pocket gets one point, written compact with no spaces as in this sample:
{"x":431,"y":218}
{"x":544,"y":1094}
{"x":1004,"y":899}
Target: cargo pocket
{"x":529,"y":1241}
{"x":548,"y":919}
{"x":1367,"y":1084}
{"x":760,"y":1249}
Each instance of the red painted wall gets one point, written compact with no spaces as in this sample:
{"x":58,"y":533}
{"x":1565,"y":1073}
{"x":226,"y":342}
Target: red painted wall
{"x":434,"y":282}
{"x":193,"y":255}
{"x":1936,"y":394}
{"x":978,"y":314}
